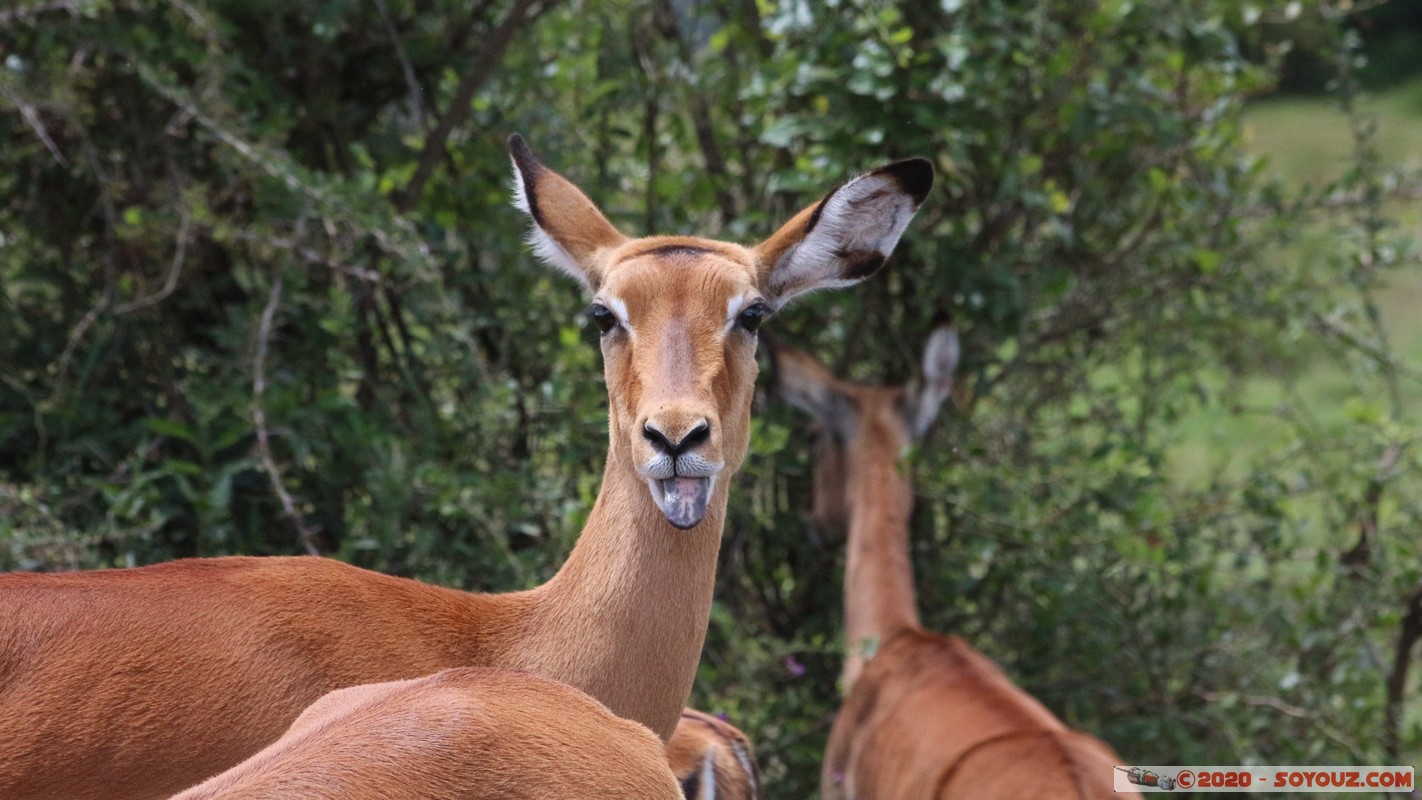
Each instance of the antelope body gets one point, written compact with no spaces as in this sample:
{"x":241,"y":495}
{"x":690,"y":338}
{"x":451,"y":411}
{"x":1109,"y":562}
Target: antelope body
{"x":926,"y":715}
{"x":460,"y":734}
{"x":712,"y":759}
{"x":134,"y":683}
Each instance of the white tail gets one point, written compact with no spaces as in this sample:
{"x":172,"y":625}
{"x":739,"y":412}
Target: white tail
{"x":460,"y":734}
{"x":713,"y":759}
{"x":926,"y":715}
{"x":135,"y":683}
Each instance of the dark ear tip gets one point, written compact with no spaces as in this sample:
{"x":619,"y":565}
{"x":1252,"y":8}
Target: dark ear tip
{"x":522,"y":155}
{"x":914,"y":176}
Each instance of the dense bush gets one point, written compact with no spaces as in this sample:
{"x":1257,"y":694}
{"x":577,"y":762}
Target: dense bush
{"x":263,"y":292}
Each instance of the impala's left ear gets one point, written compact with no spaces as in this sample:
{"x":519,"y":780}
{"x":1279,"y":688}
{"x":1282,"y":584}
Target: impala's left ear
{"x":847,"y":236}
{"x":925,"y":394}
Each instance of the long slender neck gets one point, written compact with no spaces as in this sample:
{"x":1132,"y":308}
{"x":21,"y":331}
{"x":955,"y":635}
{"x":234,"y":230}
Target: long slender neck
{"x":878,"y":580}
{"x":625,"y":617}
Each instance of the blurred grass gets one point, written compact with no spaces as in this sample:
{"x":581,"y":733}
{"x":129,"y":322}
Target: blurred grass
{"x":1308,"y":142}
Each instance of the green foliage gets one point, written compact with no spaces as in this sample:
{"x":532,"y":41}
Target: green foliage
{"x":217,"y":292}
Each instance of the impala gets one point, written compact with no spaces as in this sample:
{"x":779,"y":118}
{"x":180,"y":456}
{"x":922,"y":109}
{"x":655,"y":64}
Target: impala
{"x":712,"y":759}
{"x":468,"y":733}
{"x":135,"y":683}
{"x":925,"y":715}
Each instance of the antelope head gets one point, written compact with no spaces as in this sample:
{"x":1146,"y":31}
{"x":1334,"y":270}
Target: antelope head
{"x":679,"y":314}
{"x":863,"y":428}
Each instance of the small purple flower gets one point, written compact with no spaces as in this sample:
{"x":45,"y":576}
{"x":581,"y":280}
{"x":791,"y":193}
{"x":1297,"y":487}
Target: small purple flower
{"x":794,"y":666}
{"x":723,"y":716}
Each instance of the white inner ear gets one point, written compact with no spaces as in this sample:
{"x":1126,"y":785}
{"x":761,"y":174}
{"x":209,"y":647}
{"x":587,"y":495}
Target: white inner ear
{"x":940,"y":363}
{"x":544,"y":247}
{"x":866,"y":215}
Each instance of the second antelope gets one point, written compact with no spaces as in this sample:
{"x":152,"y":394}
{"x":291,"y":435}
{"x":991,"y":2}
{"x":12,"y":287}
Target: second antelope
{"x":461,"y":734}
{"x":712,"y":759}
{"x":925,"y":715}
{"x":134,"y":683}
{"x":474,"y":733}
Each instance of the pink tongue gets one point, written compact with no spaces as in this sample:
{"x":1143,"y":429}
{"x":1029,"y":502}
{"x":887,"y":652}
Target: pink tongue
{"x":685,"y":500}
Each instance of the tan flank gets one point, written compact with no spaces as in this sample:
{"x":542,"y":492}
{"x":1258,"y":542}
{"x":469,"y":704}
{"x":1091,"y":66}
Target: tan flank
{"x":467,"y":733}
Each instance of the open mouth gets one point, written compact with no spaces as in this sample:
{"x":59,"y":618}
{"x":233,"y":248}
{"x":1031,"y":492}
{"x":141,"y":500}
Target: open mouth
{"x":682,"y":500}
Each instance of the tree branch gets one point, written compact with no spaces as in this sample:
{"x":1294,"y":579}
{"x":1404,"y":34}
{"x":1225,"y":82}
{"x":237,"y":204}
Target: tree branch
{"x":1410,"y":631}
{"x":411,"y":82}
{"x":304,"y":533}
{"x":32,"y":118}
{"x":174,"y":270}
{"x":701,"y":120}
{"x":480,"y":69}
{"x":29,"y":12}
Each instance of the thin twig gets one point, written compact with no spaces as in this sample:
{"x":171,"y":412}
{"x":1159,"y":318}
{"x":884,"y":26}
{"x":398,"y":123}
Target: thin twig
{"x":1290,"y":710}
{"x":311,"y":254}
{"x":480,"y":69}
{"x":259,"y":418}
{"x":416,"y":93}
{"x":402,"y":241}
{"x":76,"y":334}
{"x":1410,"y":631}
{"x":1329,"y":327}
{"x":273,"y":165}
{"x":701,"y":120}
{"x":22,"y":14}
{"x":27,"y":110}
{"x":1404,"y":189}
{"x":174,"y":270}
{"x":106,"y":205}
{"x":199,"y":21}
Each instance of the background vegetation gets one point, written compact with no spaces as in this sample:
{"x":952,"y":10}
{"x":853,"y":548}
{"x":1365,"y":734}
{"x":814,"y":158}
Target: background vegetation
{"x":263,"y":293}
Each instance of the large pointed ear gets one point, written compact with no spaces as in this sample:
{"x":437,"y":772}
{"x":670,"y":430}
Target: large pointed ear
{"x":926,"y":393}
{"x":803,"y":382}
{"x":847,"y":236}
{"x":568,"y":230}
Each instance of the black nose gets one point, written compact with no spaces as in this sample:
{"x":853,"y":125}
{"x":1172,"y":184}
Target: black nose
{"x":662,"y":444}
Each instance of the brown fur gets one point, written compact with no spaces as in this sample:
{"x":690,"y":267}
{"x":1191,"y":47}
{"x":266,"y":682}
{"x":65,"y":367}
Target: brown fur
{"x":460,"y":734}
{"x":713,"y":759}
{"x":131,"y":684}
{"x":926,"y":715}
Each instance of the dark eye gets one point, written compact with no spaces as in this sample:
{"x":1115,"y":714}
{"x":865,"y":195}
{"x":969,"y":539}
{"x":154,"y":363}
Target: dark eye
{"x":751,"y":318}
{"x":602,"y":316}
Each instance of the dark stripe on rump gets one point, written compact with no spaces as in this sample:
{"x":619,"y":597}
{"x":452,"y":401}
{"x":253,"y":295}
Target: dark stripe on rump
{"x":691,"y":784}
